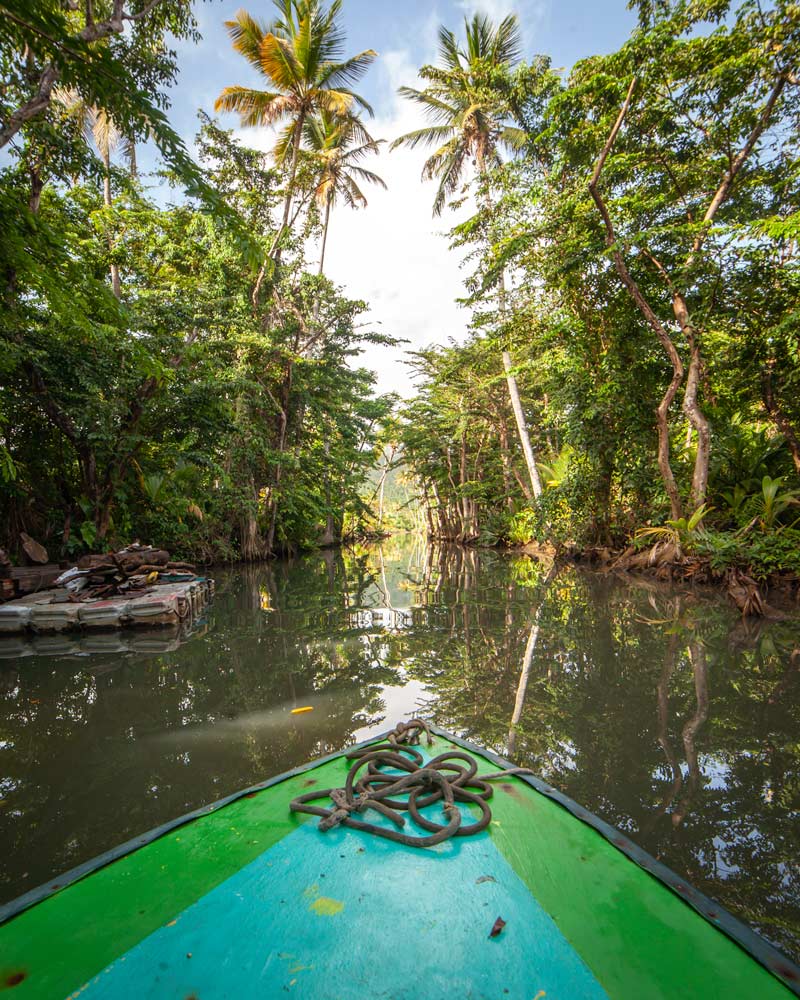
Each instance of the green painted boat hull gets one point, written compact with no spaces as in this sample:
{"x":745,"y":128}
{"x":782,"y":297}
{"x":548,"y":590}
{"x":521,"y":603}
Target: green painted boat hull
{"x":245,"y":899}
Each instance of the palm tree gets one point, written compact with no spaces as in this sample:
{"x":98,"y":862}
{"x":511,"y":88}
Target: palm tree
{"x":466,"y":103}
{"x":96,"y":125}
{"x":300,"y":55}
{"x":338,"y":145}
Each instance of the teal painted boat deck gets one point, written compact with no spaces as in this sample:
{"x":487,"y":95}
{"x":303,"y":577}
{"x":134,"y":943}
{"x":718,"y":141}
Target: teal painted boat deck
{"x":344,"y":916}
{"x":247,"y":900}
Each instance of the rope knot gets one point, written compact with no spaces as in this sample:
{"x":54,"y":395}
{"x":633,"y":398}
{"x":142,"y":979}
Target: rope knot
{"x":396,"y":779}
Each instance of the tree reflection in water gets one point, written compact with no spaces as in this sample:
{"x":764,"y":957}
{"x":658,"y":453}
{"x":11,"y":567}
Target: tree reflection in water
{"x":656,"y":708}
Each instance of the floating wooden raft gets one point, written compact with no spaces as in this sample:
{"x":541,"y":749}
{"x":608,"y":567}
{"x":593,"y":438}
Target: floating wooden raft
{"x":246,"y":898}
{"x":53,"y":611}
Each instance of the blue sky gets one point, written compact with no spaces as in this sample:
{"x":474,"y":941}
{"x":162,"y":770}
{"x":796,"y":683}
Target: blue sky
{"x":393,"y":254}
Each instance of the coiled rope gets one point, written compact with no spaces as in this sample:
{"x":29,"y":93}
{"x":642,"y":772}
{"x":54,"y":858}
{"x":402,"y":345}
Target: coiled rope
{"x":450,"y":778}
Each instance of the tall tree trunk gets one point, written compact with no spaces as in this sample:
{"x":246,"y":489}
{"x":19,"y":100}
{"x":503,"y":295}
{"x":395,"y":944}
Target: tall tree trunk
{"x":325,"y":235}
{"x":516,"y":405}
{"x":115,"y":283}
{"x":133,"y":164}
{"x":274,"y":251}
{"x":522,"y":427}
{"x":287,"y":203}
{"x":690,"y":405}
{"x":513,"y":391}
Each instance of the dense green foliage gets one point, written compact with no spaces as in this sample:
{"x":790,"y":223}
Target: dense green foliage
{"x":182,"y":373}
{"x":636,"y":252}
{"x":178,"y":373}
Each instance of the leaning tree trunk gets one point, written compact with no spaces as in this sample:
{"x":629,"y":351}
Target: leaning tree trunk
{"x":513,"y":390}
{"x":522,"y":427}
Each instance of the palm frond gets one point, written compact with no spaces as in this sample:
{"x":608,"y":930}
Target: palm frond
{"x":449,"y":52}
{"x":450,"y":171}
{"x":436,"y":110}
{"x":336,"y":74}
{"x":284,"y":143}
{"x":507,"y":41}
{"x":278,"y":62}
{"x":105,"y":133}
{"x":353,"y":195}
{"x":434,"y":164}
{"x":368,"y":176}
{"x":513,"y":138}
{"x":75,"y":108}
{"x":254,"y":107}
{"x":424,"y":136}
{"x":246,"y":34}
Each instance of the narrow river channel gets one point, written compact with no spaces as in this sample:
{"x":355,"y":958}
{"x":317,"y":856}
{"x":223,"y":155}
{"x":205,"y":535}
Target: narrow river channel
{"x":657,"y":708}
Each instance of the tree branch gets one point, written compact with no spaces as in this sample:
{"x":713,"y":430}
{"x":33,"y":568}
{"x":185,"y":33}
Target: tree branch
{"x":92,"y":32}
{"x":142,"y":13}
{"x":724,"y":188}
{"x":644,"y":307}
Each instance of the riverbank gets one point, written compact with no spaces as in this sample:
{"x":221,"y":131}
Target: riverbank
{"x":752,"y":588}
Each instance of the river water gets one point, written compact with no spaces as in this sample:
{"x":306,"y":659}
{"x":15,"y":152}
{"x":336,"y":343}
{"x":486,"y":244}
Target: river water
{"x":655,"y":707}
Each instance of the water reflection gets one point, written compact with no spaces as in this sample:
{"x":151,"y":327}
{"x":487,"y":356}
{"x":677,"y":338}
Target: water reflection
{"x":657,"y":709}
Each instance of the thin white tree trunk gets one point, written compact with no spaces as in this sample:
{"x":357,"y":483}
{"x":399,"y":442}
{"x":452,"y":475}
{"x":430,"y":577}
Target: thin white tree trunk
{"x":522,"y":427}
{"x":114,"y":268}
{"x":513,"y":392}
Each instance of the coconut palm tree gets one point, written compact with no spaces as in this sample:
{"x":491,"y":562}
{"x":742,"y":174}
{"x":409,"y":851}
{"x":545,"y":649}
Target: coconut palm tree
{"x":337,"y":146}
{"x":300,"y":56}
{"x":466,"y":103}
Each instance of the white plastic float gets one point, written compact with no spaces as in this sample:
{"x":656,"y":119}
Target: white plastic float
{"x":104,"y":614}
{"x":54,"y":617}
{"x":14,"y":617}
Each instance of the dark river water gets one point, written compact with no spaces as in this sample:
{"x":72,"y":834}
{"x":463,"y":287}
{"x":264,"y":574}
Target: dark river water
{"x":656,"y":708}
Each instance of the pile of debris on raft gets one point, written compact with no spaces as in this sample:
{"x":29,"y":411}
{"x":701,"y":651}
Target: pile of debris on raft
{"x":138,"y":585}
{"x":131,"y":570}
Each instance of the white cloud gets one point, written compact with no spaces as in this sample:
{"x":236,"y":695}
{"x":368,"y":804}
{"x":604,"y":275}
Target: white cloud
{"x":394,"y":253}
{"x":531,"y":13}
